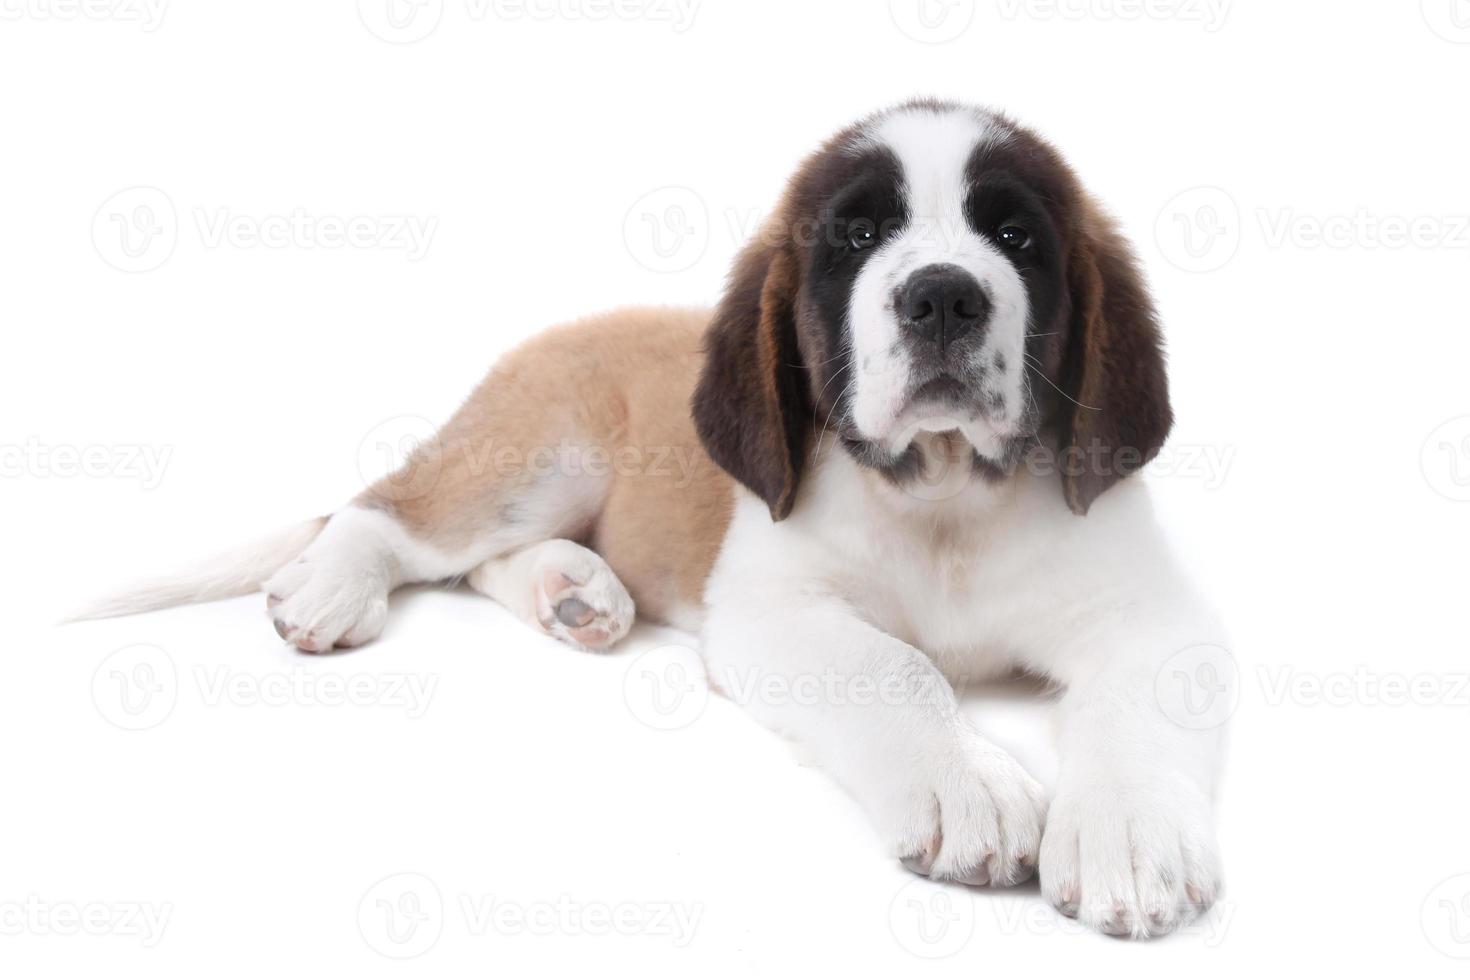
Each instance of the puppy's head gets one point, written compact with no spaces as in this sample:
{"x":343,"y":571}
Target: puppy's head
{"x":934,"y":271}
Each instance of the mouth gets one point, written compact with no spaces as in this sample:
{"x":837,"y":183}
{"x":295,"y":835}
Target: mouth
{"x":942,"y":390}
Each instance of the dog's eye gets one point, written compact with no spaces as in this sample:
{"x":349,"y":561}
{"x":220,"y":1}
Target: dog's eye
{"x":1013,"y":237}
{"x":861,"y":234}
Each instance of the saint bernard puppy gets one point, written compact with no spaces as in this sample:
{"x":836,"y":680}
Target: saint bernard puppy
{"x":891,"y":460}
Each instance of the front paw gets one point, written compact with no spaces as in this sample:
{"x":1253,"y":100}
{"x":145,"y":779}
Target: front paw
{"x":973,"y":815}
{"x":1130,"y":860}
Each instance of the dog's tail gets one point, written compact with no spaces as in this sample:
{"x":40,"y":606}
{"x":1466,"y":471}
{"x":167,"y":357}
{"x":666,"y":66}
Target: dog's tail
{"x":223,"y":576}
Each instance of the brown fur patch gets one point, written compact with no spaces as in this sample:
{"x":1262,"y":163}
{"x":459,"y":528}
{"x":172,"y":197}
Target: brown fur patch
{"x":1119,"y":379}
{"x":596,"y":412}
{"x":750,"y":407}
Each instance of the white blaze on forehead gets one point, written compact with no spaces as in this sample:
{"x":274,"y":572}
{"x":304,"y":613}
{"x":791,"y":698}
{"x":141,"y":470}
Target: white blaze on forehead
{"x":933,"y":149}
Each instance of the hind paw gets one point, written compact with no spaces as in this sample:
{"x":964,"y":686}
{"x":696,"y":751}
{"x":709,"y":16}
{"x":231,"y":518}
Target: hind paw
{"x":585,"y":606}
{"x":315,"y":604}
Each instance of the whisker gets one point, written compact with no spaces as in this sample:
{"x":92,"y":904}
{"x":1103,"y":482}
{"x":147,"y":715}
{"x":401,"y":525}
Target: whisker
{"x":834,"y":377}
{"x":1030,"y":362}
{"x":834,"y":357}
{"x":837,"y":401}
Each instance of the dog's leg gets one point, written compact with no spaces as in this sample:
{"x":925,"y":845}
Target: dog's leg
{"x":336,"y":592}
{"x":562,"y":589}
{"x":878,"y":715}
{"x":1130,"y":842}
{"x":524,"y":460}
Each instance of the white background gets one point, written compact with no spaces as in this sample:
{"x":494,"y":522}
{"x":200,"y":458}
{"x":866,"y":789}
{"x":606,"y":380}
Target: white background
{"x":227,"y":386}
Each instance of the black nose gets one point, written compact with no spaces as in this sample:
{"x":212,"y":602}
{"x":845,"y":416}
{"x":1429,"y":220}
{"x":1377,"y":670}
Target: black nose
{"x":942,"y":303}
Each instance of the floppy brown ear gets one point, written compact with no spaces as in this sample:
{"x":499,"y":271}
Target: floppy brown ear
{"x":1122,"y":415}
{"x":749,"y":406}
